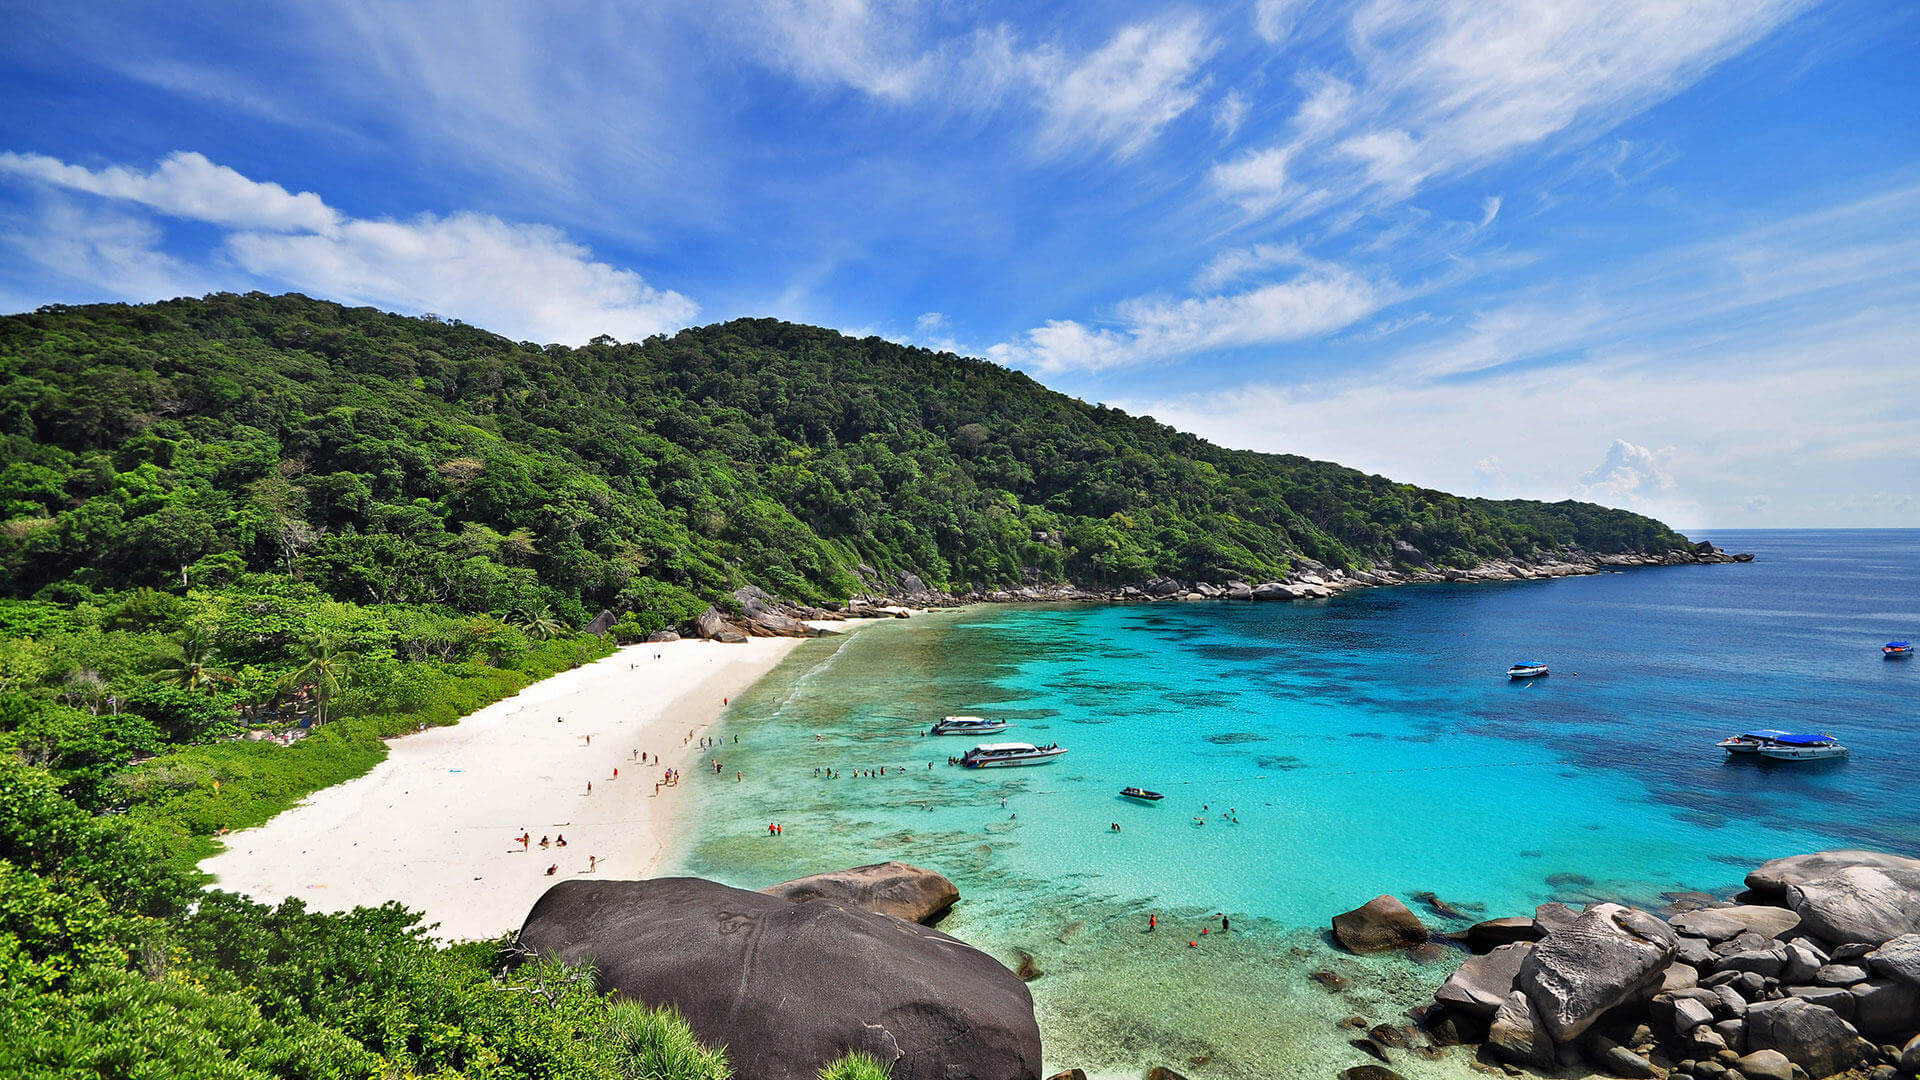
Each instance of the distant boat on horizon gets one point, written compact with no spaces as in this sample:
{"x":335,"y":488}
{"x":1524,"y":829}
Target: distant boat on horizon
{"x":1141,"y":794}
{"x":1897,"y":648}
{"x":1527,"y":669}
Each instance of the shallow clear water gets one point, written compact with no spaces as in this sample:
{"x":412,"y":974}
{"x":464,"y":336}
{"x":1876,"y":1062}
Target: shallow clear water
{"x":1316,"y":755}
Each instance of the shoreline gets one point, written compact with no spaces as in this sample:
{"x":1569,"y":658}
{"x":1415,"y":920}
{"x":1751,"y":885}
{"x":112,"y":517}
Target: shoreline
{"x":435,"y":826}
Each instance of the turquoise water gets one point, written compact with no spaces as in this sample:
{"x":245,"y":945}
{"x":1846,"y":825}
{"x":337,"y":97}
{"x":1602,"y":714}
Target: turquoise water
{"x":1316,"y":755}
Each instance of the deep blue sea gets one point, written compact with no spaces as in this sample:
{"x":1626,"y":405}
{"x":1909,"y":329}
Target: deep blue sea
{"x":1315,"y":755}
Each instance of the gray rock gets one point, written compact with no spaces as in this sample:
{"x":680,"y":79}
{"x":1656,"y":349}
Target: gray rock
{"x":1693,"y":950}
{"x":1767,"y":963}
{"x":1772,"y":878}
{"x":1837,"y":998}
{"x":1885,"y":1007}
{"x":1719,"y":924}
{"x":1609,"y":955}
{"x":1381,"y":923}
{"x":1898,"y":959}
{"x":1239,"y":590}
{"x":1910,"y":1057}
{"x":1802,"y":961}
{"x":1518,"y":1036}
{"x":1492,"y":933}
{"x":1848,"y":953}
{"x":1869,"y":904}
{"x":1274,"y":590}
{"x":1766,"y":1065}
{"x":1731,"y":1003}
{"x":1689,"y":1014}
{"x":1616,"y":1060}
{"x":1553,"y":915}
{"x":1749,"y":984}
{"x":1680,"y":976}
{"x":659,"y":636}
{"x":889,"y":888}
{"x":1839,"y":975}
{"x":734,"y":963}
{"x":1482,"y":984}
{"x":1814,"y":1038}
{"x":1733,"y":1032}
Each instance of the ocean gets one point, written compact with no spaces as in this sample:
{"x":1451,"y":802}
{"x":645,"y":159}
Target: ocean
{"x":1315,"y":755}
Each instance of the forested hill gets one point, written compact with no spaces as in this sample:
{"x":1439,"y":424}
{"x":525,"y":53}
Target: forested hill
{"x":392,"y":459}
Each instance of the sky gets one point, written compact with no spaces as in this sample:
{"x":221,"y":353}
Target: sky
{"x":1658,"y":254}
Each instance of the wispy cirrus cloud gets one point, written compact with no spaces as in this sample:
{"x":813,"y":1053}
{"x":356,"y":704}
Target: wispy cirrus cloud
{"x":525,"y":279}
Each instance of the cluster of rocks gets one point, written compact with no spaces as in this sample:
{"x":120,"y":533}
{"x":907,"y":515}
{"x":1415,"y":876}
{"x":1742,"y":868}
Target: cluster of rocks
{"x":794,"y":976}
{"x":1813,"y":971}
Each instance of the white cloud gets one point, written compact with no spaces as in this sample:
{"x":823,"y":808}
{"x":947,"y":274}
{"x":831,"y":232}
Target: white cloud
{"x":1628,"y":472}
{"x":524,"y":280}
{"x":1489,"y":209}
{"x":1256,"y":180}
{"x":1230,"y":114}
{"x":1122,"y":94}
{"x":1447,"y":86}
{"x":1274,"y":20}
{"x":185,"y":185}
{"x":929,"y":323}
{"x":1232,"y":264}
{"x":1313,"y":302}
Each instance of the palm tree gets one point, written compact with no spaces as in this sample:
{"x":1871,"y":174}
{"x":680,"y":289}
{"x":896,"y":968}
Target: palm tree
{"x":543,"y":624}
{"x":192,"y":668}
{"x":324,"y":671}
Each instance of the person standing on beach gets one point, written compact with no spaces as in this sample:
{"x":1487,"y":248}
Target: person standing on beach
{"x":593,"y":862}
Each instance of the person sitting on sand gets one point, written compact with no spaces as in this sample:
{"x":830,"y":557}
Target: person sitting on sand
{"x":561,"y":841}
{"x":552,"y":869}
{"x":543,"y":843}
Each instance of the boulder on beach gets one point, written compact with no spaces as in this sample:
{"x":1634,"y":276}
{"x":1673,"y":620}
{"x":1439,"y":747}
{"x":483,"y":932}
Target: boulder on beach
{"x":788,"y":987}
{"x":1381,"y":923}
{"x":1725,"y":923}
{"x":1517,"y":1034}
{"x":1481,"y":985}
{"x":1865,"y":904}
{"x":1898,"y":959}
{"x":1812,"y":1037}
{"x":1772,"y":878}
{"x":1609,"y":955}
{"x":889,"y":888}
{"x":1490,"y":934}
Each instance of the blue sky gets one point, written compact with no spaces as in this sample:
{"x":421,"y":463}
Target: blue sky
{"x":1659,"y":254}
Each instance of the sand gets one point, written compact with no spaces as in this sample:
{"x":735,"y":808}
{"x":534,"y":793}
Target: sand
{"x":436,"y":825}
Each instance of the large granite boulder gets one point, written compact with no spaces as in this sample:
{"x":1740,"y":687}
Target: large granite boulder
{"x":788,"y":987}
{"x":1812,"y":1037}
{"x":889,"y":888}
{"x":1381,"y":923}
{"x":1869,"y":904}
{"x":1490,"y":934}
{"x":1518,"y":1036}
{"x":1723,"y":924}
{"x":1883,"y":1007}
{"x":1772,"y":878}
{"x":1898,"y":959}
{"x":1482,"y":984}
{"x":1609,"y":955}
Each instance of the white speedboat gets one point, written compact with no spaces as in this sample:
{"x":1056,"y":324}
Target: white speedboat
{"x":967,"y":725}
{"x":1005,"y":754}
{"x":1527,"y":669}
{"x":1750,"y":742}
{"x":1803,"y":748}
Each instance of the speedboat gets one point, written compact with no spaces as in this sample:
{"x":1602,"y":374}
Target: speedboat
{"x":967,"y":725}
{"x":1527,"y":669}
{"x":1897,"y":648}
{"x":1142,"y":794}
{"x":1750,"y":742}
{"x":1004,"y":754}
{"x":1802,"y":748}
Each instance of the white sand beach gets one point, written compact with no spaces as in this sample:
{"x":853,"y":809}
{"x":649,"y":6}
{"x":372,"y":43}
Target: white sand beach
{"x":436,"y":826}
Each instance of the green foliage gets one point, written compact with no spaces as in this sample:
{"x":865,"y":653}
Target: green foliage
{"x":857,"y":1066}
{"x":657,"y":1044}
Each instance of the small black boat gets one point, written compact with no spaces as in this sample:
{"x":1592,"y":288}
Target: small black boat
{"x":1142,"y":794}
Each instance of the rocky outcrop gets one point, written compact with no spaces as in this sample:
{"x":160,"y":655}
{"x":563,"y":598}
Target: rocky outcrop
{"x":1872,"y":904}
{"x":788,"y":987}
{"x":889,"y":888}
{"x":1378,"y":925}
{"x":1490,"y":934}
{"x":1610,"y":954}
{"x":1793,"y":992}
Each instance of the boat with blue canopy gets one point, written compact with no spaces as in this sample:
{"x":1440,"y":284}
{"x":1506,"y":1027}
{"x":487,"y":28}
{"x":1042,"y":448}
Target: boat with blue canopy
{"x":1897,"y":648}
{"x":1527,"y":669}
{"x":1785,"y":745}
{"x":1748,"y":742}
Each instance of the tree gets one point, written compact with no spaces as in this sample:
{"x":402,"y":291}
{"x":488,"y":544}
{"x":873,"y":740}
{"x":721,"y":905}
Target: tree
{"x":193,"y":668}
{"x":541,"y":623}
{"x":325,"y":670}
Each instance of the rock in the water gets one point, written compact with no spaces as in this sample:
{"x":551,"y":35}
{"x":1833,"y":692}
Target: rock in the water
{"x":1517,"y":1034}
{"x":1869,"y":904}
{"x":1069,"y":1074}
{"x":1765,"y":1065}
{"x":1482,"y":984}
{"x":1331,"y":981}
{"x":1772,"y":878}
{"x":1381,"y":923}
{"x":1616,"y":1060}
{"x":1898,"y":959}
{"x":1609,"y":955}
{"x":1493,"y":933}
{"x":1720,"y":924}
{"x":1369,"y":1072}
{"x":788,"y":987}
{"x":889,"y":888}
{"x":1553,"y":915}
{"x":1812,"y":1037}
